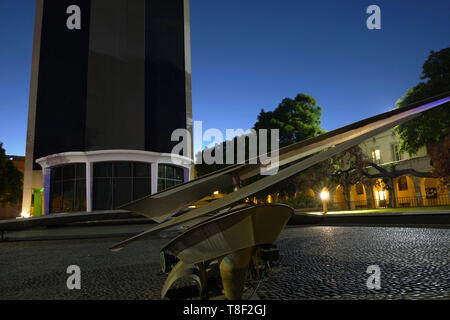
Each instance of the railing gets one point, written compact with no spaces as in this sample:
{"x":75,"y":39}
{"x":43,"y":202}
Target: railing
{"x":400,"y":202}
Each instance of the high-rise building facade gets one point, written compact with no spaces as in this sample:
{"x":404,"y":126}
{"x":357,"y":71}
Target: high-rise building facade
{"x":110,"y":82}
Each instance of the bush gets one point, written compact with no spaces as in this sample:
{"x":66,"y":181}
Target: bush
{"x":302,"y":201}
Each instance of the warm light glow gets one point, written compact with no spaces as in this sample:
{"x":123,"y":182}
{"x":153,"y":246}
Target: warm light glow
{"x":216,"y":192}
{"x":192,"y":207}
{"x":376,"y":155}
{"x":25,"y":215}
{"x":382,"y":195}
{"x":324,"y":195}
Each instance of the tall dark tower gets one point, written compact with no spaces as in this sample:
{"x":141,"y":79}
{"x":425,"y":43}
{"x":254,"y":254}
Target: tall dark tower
{"x":110,"y":82}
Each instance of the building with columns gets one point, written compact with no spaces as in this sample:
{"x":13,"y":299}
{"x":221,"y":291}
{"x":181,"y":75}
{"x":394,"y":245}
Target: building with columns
{"x":105,"y":97}
{"x":405,"y":190}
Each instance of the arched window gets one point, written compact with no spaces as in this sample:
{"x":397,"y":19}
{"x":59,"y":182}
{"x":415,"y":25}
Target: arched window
{"x":402,"y":183}
{"x":359,"y":188}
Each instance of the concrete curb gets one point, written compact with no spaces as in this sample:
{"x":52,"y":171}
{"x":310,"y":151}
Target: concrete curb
{"x":10,"y":239}
{"x":438,"y":218}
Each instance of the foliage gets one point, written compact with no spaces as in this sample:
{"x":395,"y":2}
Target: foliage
{"x":203,"y":168}
{"x":349,"y":167}
{"x":431,"y":127}
{"x":10,"y":181}
{"x":297,"y":119}
{"x":302,"y":200}
{"x":440,"y":159}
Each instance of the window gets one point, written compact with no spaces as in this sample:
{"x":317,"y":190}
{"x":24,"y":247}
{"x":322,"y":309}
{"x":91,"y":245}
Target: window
{"x":118,"y":183}
{"x":431,"y":193}
{"x":142,"y":185}
{"x":169,"y":176}
{"x":68,"y":188}
{"x":402,"y":183}
{"x":376,"y":156}
{"x":359,"y":188}
{"x":397,"y":154}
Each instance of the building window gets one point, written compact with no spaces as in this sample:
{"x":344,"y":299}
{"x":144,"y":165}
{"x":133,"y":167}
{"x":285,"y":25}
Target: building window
{"x":359,"y":188}
{"x":382,"y":195}
{"x":402,"y":184}
{"x":397,"y":154}
{"x":376,"y":156}
{"x":431,"y":193}
{"x":68,"y":188}
{"x":169,"y":176}
{"x":118,"y":183}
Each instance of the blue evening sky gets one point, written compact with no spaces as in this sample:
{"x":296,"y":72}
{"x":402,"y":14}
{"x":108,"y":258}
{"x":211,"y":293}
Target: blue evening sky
{"x":250,"y":54}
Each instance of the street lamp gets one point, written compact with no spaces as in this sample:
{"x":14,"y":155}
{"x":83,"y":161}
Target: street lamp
{"x":25,"y":215}
{"x":324,"y":196}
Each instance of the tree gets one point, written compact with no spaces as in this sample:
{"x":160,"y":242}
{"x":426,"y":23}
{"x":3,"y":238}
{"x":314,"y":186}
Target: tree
{"x":352,"y":166}
{"x":10,"y":181}
{"x":440,"y":159}
{"x":347,"y":170}
{"x":297,"y":119}
{"x":431,"y":129}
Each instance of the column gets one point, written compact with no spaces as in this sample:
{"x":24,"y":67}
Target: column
{"x":46,"y":178}
{"x":89,"y":182}
{"x":187,"y":174}
{"x":154,"y":177}
{"x":417,"y":190}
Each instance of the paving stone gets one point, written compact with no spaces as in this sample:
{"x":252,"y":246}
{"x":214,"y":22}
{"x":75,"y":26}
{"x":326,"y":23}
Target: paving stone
{"x":316,"y":263}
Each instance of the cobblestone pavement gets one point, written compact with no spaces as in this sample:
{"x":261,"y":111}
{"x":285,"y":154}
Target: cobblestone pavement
{"x":316,"y":263}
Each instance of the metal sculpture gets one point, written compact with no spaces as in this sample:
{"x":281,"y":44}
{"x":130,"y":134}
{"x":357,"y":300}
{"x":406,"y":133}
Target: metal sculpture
{"x":226,"y":234}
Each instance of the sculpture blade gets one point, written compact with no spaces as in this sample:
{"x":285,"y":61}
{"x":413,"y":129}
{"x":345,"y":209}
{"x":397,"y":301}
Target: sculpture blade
{"x":162,"y":205}
{"x":374,"y":129}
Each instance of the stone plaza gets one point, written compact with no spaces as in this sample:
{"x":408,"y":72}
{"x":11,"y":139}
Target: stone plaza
{"x":317,"y":262}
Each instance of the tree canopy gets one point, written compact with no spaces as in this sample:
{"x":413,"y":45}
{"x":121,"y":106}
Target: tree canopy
{"x":297,"y":119}
{"x":431,"y":127}
{"x":10,"y":181}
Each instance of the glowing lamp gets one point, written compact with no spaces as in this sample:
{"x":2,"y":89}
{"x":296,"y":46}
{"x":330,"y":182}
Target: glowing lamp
{"x":324,"y":195}
{"x":25,"y":215}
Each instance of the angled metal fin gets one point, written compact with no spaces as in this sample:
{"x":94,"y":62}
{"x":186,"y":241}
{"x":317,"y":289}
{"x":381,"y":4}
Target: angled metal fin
{"x":184,"y":270}
{"x":248,"y":190}
{"x":162,"y":205}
